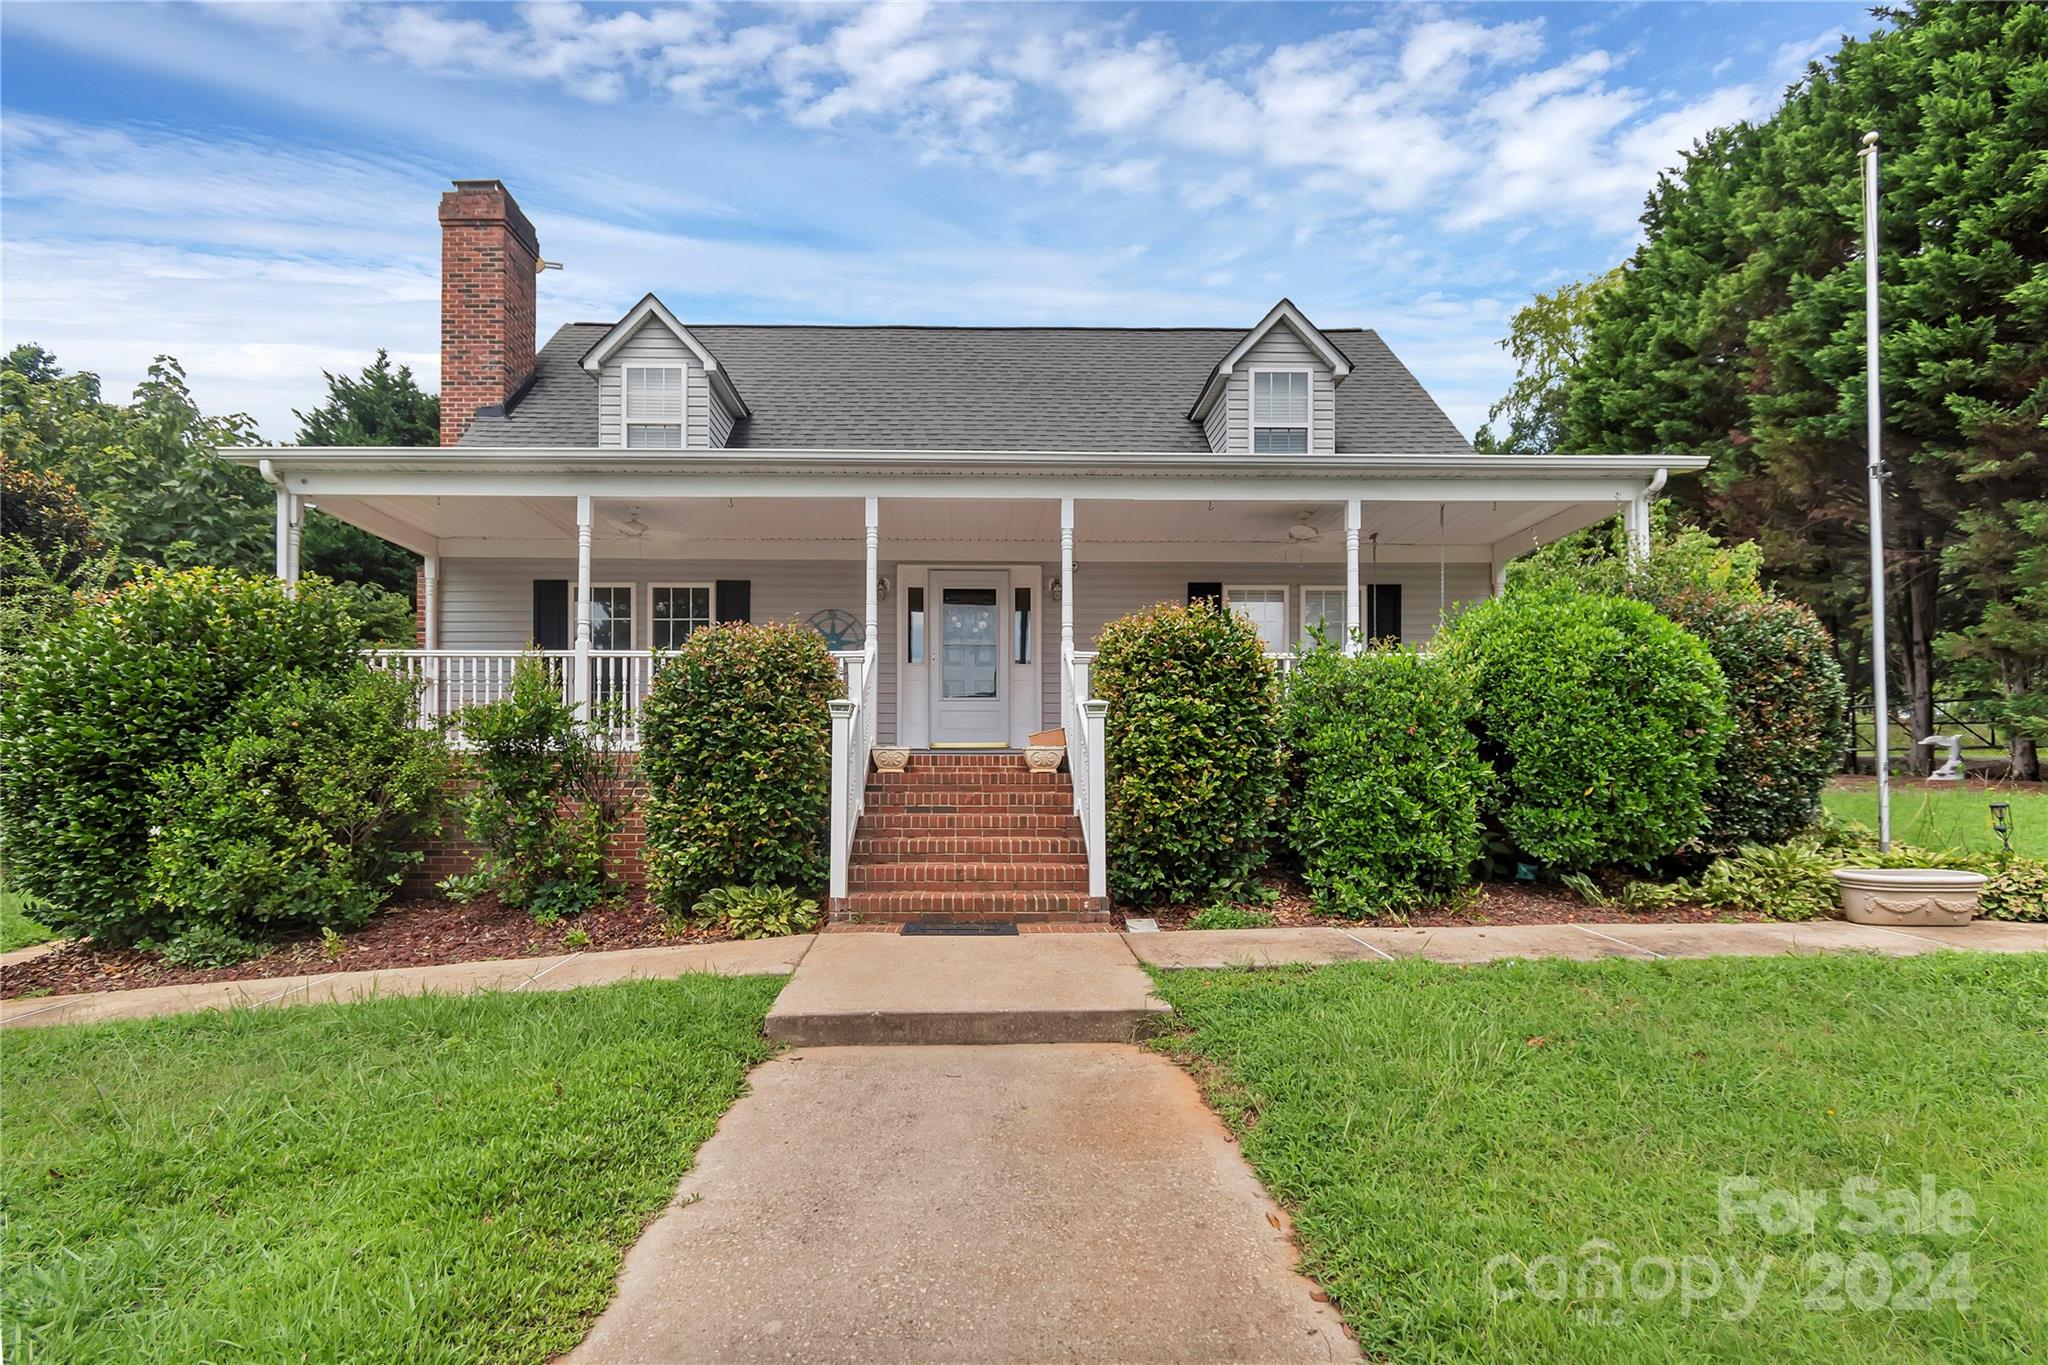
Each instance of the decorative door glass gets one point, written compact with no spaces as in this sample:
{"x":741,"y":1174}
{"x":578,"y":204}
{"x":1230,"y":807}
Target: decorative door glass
{"x":970,"y":647}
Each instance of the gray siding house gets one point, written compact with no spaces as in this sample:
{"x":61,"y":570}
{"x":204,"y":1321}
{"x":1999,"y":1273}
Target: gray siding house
{"x":958,"y":509}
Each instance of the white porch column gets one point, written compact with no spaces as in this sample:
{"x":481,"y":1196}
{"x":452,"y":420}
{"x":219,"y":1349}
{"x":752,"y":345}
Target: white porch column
{"x":580,"y":688}
{"x":430,"y":636}
{"x":430,"y":596}
{"x":1066,"y":581}
{"x":1354,"y":623}
{"x":872,"y":635}
{"x":1636,"y":522}
{"x":283,"y":555}
{"x":297,"y":521}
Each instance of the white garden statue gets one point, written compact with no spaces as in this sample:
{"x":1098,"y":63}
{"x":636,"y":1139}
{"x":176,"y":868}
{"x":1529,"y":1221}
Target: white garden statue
{"x":1952,"y":769}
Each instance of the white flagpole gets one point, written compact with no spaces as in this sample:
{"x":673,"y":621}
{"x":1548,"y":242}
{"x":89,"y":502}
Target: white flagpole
{"x":1873,"y":412}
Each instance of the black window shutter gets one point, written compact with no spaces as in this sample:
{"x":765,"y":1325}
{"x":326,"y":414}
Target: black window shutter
{"x":1383,"y":612}
{"x":1212,"y":591}
{"x":551,"y":613}
{"x":735,"y":601}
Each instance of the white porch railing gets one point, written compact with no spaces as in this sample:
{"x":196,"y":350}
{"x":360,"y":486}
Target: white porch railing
{"x":451,"y":679}
{"x":853,"y":740}
{"x":1086,"y":720}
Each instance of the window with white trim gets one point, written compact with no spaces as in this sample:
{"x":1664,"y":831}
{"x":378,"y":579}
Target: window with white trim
{"x":1322,"y":607}
{"x":1266,"y":609}
{"x":678,"y":609}
{"x":654,"y":406}
{"x":611,"y":616}
{"x":1280,"y":412}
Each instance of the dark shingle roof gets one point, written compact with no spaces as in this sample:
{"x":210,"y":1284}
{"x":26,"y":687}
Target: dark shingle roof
{"x":976,"y":388}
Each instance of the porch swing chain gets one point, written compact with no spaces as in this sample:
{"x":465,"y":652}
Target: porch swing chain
{"x":1441,"y":597}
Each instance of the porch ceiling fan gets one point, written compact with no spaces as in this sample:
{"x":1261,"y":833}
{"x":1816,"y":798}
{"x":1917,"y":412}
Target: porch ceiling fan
{"x":1300,"y":526}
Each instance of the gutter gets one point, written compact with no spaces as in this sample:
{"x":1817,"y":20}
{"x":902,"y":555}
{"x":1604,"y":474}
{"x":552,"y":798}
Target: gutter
{"x":961,"y":463}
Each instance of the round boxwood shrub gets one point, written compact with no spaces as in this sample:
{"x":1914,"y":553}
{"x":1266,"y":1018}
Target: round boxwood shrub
{"x":1786,"y":699}
{"x":1191,"y":753}
{"x":1385,"y":779}
{"x":104,"y":700}
{"x":304,"y":809}
{"x":1603,"y":720}
{"x":736,"y":749}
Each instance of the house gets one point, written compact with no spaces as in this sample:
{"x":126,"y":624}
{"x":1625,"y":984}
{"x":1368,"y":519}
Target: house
{"x":958,"y":509}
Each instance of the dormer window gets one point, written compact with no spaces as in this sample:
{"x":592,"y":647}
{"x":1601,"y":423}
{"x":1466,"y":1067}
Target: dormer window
{"x":1280,"y":412}
{"x":654,"y":407}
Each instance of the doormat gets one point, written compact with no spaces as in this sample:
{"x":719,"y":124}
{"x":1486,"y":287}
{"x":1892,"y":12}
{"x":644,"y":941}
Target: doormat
{"x":921,"y":927}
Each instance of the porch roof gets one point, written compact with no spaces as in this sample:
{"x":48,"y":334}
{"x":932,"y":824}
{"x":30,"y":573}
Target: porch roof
{"x":468,"y":500}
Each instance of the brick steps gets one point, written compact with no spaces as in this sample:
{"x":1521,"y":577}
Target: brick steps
{"x":974,"y":838}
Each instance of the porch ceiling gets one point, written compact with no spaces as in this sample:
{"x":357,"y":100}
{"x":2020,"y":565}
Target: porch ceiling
{"x":832,"y":527}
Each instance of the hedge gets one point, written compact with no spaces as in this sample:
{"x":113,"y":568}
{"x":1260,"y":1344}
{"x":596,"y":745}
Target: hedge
{"x":1191,"y":752}
{"x":1787,"y":701}
{"x":1386,"y":779}
{"x":102,"y":702}
{"x":1602,"y":718}
{"x":736,"y":750}
{"x":305,"y":808}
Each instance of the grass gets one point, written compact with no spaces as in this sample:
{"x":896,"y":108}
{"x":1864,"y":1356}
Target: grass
{"x":426,"y":1179}
{"x":1423,"y":1120}
{"x":1956,"y":816}
{"x":17,"y":930}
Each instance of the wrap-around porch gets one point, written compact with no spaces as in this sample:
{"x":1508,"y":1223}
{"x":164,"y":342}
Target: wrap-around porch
{"x":962,"y":603}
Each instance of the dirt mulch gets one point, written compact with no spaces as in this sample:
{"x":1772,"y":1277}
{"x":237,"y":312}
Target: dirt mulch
{"x":1497,"y":903}
{"x":417,"y":934}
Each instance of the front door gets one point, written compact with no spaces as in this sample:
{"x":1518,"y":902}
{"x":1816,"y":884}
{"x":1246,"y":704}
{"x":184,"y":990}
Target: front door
{"x":969,"y":695}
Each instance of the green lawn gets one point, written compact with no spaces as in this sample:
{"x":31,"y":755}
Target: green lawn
{"x":17,"y":930}
{"x":425,"y":1179}
{"x":1422,"y":1121}
{"x":1957,"y":816}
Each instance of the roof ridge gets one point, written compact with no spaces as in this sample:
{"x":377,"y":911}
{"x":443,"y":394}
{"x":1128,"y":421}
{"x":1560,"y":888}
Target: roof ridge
{"x":958,"y":327}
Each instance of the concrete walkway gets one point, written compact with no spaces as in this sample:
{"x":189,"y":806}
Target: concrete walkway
{"x":1581,"y":942}
{"x":558,"y":972}
{"x":1030,"y":1203}
{"x":882,"y":988}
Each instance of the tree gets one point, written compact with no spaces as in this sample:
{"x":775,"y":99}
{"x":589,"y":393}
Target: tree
{"x":1547,"y":339}
{"x":1739,"y":331}
{"x":50,"y":553}
{"x":379,"y":407}
{"x":148,"y":470}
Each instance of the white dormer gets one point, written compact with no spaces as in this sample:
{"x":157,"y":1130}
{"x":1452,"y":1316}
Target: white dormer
{"x":1275,"y":392}
{"x":658,"y":387}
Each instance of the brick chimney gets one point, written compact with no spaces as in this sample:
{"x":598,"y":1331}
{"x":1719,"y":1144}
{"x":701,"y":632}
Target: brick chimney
{"x":489,"y":264}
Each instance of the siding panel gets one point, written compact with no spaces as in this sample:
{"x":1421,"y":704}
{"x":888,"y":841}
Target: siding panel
{"x":654,"y":344}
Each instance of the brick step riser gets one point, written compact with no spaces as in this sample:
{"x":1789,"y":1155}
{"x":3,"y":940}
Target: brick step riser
{"x":971,"y":776}
{"x":998,"y":759}
{"x":1062,"y":917}
{"x":966,"y":825}
{"x":963,"y":877}
{"x":885,"y":849}
{"x":969,"y":905}
{"x":968,"y":803}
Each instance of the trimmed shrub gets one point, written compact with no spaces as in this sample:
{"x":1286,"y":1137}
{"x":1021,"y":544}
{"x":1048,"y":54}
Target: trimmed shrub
{"x":1191,"y":754}
{"x":736,"y":750}
{"x":1786,"y":700}
{"x":121,"y":690}
{"x":542,"y":802}
{"x":301,"y":810}
{"x":1386,"y":779}
{"x":1603,"y":720}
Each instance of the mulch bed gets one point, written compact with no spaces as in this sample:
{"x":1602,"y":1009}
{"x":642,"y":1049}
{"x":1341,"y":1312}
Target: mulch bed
{"x":417,"y":934}
{"x":1497,"y":903}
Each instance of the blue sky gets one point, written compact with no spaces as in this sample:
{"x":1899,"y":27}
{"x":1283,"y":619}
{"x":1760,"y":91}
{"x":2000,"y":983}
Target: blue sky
{"x":252,"y":188}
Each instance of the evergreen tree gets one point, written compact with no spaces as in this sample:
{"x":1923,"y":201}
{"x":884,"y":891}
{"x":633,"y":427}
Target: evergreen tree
{"x":378,"y":407}
{"x":1738,"y":334}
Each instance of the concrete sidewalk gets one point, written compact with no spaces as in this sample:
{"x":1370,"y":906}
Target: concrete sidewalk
{"x":557,"y":972}
{"x":1068,"y":1202}
{"x":1581,"y":942}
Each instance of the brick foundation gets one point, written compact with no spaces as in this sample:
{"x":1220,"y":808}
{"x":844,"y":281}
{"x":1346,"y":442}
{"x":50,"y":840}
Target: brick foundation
{"x":453,"y":854}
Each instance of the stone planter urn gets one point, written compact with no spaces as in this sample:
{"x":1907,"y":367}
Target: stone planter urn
{"x":891,"y":758}
{"x":1044,"y":758}
{"x":1909,"y":895}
